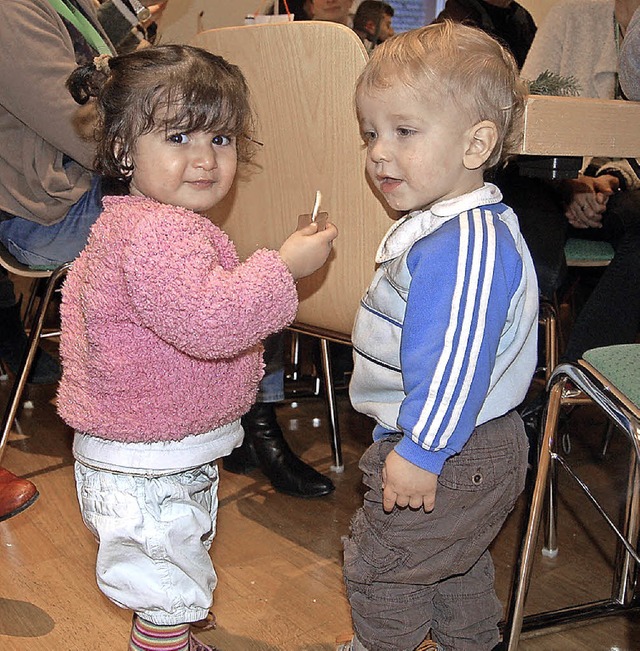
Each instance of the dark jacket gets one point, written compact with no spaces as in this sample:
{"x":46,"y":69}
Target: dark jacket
{"x":513,"y":26}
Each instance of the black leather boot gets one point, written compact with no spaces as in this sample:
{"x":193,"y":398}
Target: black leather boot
{"x":264,"y":446}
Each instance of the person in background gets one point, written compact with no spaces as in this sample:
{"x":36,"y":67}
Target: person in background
{"x":301,"y":9}
{"x":127,"y":28}
{"x":505,"y":20}
{"x":335,"y":11}
{"x":580,"y":39}
{"x":264,"y":445}
{"x":49,"y":196}
{"x":445,"y":343}
{"x":161,"y":329}
{"x":630,"y":60}
{"x":372,"y":23}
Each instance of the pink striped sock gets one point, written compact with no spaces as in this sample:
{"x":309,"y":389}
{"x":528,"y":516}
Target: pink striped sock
{"x":146,"y":636}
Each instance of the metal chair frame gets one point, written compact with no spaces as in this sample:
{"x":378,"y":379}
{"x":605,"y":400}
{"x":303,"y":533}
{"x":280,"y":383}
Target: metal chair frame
{"x":626,"y":416}
{"x":52,"y":279}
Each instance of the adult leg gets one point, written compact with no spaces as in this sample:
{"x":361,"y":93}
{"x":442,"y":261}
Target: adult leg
{"x":393,"y":562}
{"x":264,"y":444}
{"x":611,"y":314}
{"x":50,"y":246}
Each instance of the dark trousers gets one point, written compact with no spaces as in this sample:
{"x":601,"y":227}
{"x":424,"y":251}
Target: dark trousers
{"x":408,"y":571}
{"x":611,"y":314}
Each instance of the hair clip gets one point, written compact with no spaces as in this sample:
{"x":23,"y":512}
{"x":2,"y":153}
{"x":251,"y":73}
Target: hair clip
{"x":254,"y":141}
{"x":101,"y":63}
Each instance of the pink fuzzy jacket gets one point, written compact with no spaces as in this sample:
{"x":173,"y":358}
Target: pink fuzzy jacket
{"x":161,"y":324}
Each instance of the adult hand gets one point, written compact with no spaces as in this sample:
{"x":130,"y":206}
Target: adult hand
{"x":587,"y":201}
{"x":405,"y":484}
{"x":307,"y":249}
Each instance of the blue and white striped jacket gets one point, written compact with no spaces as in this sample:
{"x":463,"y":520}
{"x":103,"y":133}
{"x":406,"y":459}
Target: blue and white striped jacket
{"x":446,"y":335}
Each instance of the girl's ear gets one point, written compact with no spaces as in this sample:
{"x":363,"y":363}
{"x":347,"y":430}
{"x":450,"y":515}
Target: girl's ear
{"x":482,"y":139}
{"x":126,"y":162}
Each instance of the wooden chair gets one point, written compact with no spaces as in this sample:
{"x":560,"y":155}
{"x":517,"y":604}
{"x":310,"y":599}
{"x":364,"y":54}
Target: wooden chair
{"x":50,"y":278}
{"x":302,"y":77}
{"x":609,"y":377}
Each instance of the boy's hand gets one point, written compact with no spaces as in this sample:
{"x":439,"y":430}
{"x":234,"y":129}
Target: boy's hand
{"x":306,"y":249}
{"x":405,"y":484}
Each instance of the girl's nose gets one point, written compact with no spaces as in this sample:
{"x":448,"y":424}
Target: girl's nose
{"x":205,"y":157}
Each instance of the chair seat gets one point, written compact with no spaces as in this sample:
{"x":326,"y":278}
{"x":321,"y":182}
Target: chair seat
{"x":587,"y":253}
{"x":619,"y":366}
{"x":13,"y":266}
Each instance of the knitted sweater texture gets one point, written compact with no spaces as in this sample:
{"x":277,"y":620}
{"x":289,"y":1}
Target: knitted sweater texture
{"x":161,"y":324}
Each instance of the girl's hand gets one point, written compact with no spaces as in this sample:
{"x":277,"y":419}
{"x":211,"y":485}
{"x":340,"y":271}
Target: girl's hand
{"x":306,"y":250}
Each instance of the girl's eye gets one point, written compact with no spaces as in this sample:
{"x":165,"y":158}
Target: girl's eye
{"x":178,"y":138}
{"x":221,"y":141}
{"x":404,"y":132}
{"x":369,"y":136}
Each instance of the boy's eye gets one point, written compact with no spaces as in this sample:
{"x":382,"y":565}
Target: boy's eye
{"x":368,"y":136}
{"x":178,"y":138}
{"x":404,"y":131}
{"x":221,"y":141}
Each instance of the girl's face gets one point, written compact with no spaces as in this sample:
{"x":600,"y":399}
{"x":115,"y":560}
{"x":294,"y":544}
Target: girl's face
{"x":192,"y":170}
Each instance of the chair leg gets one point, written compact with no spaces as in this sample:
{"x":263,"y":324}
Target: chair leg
{"x":32,"y":347}
{"x":626,"y":577}
{"x":550,"y":320}
{"x":513,"y":625}
{"x":330,"y":397}
{"x":295,"y":355}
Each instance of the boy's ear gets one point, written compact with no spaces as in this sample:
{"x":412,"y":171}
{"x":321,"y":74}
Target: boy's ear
{"x":482,"y":139}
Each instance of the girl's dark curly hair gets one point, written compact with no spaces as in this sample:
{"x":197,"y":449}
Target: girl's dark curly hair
{"x":172,"y":87}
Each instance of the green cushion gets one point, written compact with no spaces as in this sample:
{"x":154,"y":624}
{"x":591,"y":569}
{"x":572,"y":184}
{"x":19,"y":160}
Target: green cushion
{"x":585,"y":250}
{"x":621,"y":366}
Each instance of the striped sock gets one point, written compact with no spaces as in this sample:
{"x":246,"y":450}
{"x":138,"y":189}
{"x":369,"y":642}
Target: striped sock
{"x":146,"y":636}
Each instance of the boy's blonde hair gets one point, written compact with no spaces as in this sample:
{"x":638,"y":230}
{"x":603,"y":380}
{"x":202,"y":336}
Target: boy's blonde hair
{"x":455,"y":64}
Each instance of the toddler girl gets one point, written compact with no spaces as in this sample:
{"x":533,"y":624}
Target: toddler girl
{"x":161,"y":329}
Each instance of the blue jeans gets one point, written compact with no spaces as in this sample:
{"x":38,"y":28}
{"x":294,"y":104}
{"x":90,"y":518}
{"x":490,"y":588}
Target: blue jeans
{"x":271,"y":387}
{"x":48,"y":247}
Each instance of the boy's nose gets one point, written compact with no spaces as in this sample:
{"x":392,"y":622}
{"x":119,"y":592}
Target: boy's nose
{"x":378,"y":152}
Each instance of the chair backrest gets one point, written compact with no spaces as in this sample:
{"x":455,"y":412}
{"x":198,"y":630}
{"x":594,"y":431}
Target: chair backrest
{"x":302,"y":77}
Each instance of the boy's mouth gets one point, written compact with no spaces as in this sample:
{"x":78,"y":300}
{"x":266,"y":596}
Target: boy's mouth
{"x":388,"y":183}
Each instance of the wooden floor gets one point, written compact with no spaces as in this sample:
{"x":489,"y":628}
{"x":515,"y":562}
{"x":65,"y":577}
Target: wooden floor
{"x":278,"y":558}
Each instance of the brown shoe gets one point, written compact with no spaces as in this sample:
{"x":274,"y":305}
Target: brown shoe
{"x":16,"y":494}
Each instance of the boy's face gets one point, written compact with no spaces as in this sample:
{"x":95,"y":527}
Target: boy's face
{"x":415,"y":147}
{"x":192,"y":170}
